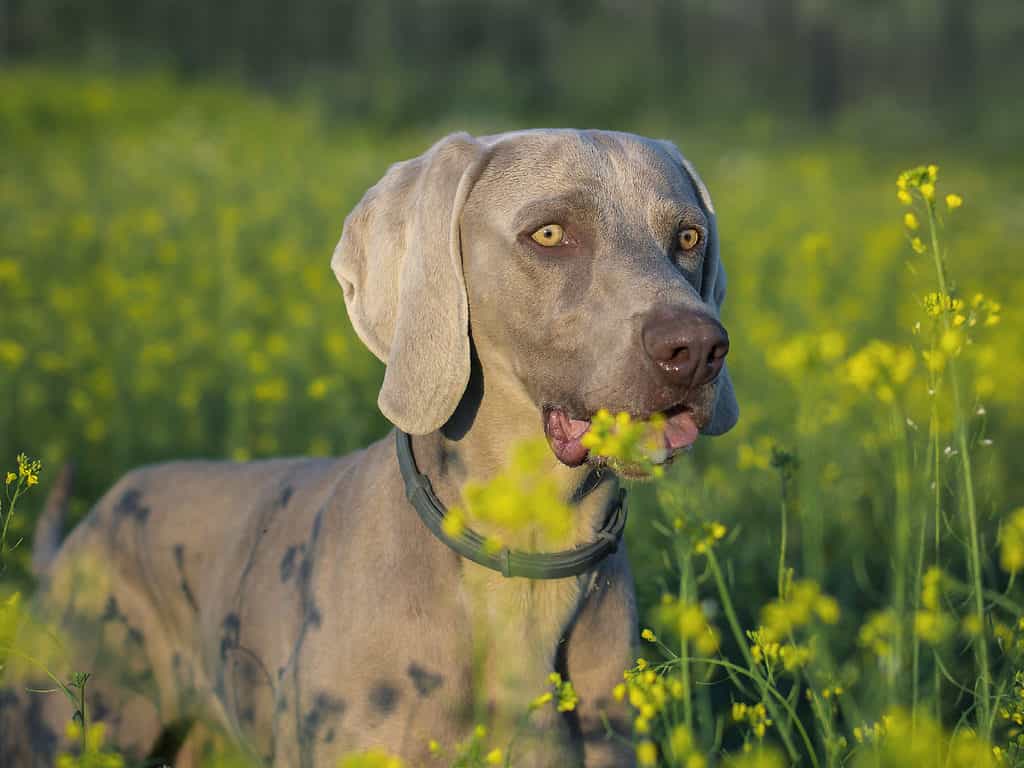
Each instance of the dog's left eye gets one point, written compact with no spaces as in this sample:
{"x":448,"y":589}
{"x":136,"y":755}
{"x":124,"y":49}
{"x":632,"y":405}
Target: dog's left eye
{"x":549,"y":235}
{"x":689,"y":238}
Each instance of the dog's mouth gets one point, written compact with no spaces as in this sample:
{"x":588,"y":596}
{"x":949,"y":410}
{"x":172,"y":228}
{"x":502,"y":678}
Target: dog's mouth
{"x":565,"y":434}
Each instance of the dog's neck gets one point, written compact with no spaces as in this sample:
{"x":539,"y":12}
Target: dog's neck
{"x":478,"y":443}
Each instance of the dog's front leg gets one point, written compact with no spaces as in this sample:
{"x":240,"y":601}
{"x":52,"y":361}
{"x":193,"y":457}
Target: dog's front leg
{"x":600,"y":647}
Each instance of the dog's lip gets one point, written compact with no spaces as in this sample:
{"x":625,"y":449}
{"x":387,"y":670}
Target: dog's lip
{"x":565,"y":433}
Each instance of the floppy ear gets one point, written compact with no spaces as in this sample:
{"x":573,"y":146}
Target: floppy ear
{"x":712,"y":289}
{"x":399,"y":263}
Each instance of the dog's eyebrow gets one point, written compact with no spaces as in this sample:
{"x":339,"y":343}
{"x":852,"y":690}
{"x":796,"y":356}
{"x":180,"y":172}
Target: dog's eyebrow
{"x":669,"y":212}
{"x":556,"y":209}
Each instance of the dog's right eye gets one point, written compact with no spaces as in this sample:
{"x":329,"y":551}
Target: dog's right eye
{"x":549,"y":235}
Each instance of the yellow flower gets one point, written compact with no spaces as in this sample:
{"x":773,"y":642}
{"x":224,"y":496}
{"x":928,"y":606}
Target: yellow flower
{"x":619,"y":692}
{"x":494,"y":757}
{"x":453,"y":524}
{"x":11,"y":477}
{"x":648,"y":635}
{"x":541,"y":700}
{"x":952,"y":341}
{"x":1011,"y":544}
{"x":971,"y":625}
{"x":954,"y":201}
{"x":646,"y":754}
{"x":917,"y":245}
{"x":904,"y":197}
{"x":910,"y":220}
{"x":928,"y":191}
{"x":434,"y":747}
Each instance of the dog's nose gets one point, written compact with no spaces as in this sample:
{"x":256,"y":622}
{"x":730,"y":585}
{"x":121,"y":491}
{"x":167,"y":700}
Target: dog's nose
{"x":687,"y":346}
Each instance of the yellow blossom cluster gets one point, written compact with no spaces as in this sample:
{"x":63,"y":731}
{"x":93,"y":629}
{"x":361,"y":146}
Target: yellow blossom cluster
{"x":803,"y":602}
{"x":773,"y":654}
{"x":880,"y":368}
{"x":28,"y":471}
{"x":681,"y":748}
{"x":627,"y":442}
{"x":922,"y":179}
{"x":562,"y":693}
{"x":1010,"y":638}
{"x":690,"y":621}
{"x":931,"y":623}
{"x":877,"y":633}
{"x":472,"y":752}
{"x":801,"y":352}
{"x":755,"y":715}
{"x":522,"y":497}
{"x":1012,"y":713}
{"x":702,"y":535}
{"x":981,"y":309}
{"x":92,"y":754}
{"x":904,"y":739}
{"x":648,"y":693}
{"x":1011,"y":542}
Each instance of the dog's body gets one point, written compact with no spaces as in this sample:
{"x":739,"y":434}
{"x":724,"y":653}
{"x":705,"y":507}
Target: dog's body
{"x":302,"y":605}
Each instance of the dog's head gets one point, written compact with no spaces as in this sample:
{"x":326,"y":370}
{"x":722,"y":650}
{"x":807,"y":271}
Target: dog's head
{"x":583,"y":263}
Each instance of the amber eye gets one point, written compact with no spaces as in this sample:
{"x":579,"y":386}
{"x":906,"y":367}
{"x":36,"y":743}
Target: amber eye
{"x":689,"y":238}
{"x":549,"y":235}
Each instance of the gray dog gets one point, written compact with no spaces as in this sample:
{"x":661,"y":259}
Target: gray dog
{"x":513,"y":285}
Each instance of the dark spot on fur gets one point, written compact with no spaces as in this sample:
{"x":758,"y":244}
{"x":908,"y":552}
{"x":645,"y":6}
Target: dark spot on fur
{"x":111,"y":611}
{"x":130,"y":505}
{"x":288,"y":564}
{"x":42,"y":738}
{"x":329,"y":736}
{"x":325,"y":706}
{"x":313,"y":617}
{"x":186,"y":590}
{"x":426,"y":682}
{"x":384,"y":697}
{"x":100,"y":709}
{"x":229,"y":639}
{"x":135,"y":636}
{"x":247,"y":715}
{"x":285,"y":497}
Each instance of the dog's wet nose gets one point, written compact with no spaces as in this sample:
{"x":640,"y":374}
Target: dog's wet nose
{"x":687,"y":346}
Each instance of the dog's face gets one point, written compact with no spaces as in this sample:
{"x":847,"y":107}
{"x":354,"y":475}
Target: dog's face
{"x":584,"y":257}
{"x":583,"y":264}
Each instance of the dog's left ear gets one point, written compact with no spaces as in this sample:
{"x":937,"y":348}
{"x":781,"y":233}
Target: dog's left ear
{"x":399,"y":263}
{"x":712,"y":289}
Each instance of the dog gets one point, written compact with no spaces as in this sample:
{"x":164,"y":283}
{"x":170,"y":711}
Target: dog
{"x":513,"y":285}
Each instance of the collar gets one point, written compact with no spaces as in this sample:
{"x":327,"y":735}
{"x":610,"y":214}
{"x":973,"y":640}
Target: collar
{"x":510,"y":562}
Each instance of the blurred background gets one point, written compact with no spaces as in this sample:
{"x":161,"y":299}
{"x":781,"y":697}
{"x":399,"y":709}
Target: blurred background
{"x":917,"y":67}
{"x":174,"y":177}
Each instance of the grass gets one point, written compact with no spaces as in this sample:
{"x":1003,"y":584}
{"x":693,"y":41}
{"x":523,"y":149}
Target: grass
{"x":832,"y":583}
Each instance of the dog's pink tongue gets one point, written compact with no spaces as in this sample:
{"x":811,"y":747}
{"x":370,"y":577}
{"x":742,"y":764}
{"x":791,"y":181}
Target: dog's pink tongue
{"x":680,"y":431}
{"x":564,"y":437}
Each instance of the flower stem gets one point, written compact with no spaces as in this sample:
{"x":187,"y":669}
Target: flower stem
{"x":973,"y":545}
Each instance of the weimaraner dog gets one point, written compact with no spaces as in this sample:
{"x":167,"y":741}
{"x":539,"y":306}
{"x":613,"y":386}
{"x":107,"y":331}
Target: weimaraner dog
{"x":513,"y":285}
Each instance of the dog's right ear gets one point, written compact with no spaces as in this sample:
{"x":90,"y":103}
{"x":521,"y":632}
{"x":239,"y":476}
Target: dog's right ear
{"x":399,"y":263}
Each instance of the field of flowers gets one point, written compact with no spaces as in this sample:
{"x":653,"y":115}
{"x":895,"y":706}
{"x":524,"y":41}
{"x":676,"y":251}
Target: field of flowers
{"x":832,"y":583}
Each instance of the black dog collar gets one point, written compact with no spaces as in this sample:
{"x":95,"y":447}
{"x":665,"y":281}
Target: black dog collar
{"x":508,"y":562}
